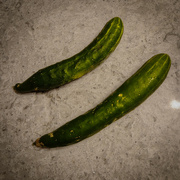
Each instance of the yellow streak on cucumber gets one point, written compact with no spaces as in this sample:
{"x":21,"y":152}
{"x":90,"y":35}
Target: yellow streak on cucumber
{"x":121,"y":95}
{"x":51,"y":135}
{"x":38,"y":144}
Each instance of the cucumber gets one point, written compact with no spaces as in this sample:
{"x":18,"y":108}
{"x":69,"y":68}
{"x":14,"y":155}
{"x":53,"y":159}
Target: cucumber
{"x":78,"y":65}
{"x":128,"y":96}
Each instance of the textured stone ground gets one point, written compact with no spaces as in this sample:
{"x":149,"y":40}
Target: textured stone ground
{"x":144,"y":144}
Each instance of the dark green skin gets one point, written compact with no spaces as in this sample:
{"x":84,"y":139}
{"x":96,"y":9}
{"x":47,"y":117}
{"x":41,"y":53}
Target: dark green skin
{"x":128,"y":96}
{"x":75,"y":67}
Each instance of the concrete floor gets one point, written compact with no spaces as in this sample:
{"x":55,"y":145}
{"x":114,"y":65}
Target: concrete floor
{"x":143,"y":145}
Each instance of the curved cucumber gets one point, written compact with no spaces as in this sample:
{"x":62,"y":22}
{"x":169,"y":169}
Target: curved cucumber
{"x":128,"y":96}
{"x":75,"y":67}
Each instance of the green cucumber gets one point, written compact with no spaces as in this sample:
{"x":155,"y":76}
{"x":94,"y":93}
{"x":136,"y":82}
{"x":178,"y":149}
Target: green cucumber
{"x":78,"y":65}
{"x":128,"y":96}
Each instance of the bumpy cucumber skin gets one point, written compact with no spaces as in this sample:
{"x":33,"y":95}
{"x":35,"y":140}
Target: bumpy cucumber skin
{"x":128,"y":96}
{"x":75,"y":67}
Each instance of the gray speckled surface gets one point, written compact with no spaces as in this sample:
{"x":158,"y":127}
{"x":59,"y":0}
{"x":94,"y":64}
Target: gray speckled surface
{"x":144,"y":144}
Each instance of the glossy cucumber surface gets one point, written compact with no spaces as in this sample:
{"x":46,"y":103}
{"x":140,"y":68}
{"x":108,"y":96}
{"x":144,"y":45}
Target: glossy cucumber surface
{"x":78,"y":65}
{"x":128,"y":96}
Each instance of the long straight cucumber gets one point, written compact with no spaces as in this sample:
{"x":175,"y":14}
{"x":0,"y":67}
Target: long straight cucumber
{"x":128,"y":96}
{"x":78,"y":65}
